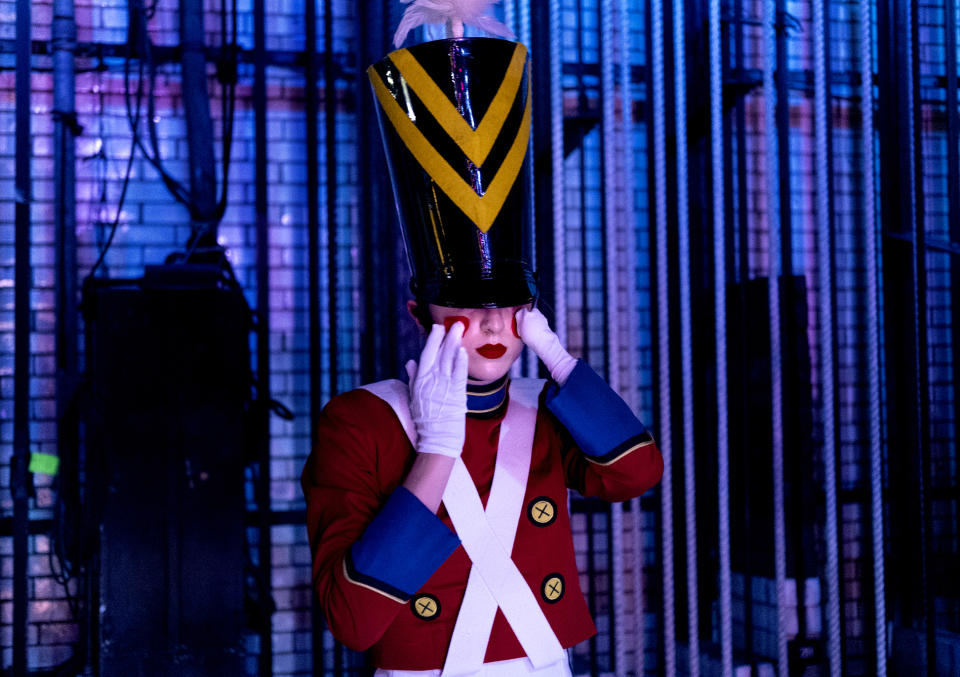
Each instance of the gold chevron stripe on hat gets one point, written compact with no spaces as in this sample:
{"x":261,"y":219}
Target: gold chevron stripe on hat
{"x":476,"y":144}
{"x":481,"y":209}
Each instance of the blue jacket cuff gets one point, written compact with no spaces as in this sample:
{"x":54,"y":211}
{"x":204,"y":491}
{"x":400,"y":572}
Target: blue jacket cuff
{"x":401,"y":548}
{"x":597,"y":418}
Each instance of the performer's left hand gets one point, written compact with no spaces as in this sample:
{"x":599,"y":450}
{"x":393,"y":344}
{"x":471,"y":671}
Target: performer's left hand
{"x":535,"y":331}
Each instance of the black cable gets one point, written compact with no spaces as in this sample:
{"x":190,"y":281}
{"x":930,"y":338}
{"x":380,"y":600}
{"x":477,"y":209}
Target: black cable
{"x":142,"y":39}
{"x":116,"y":219}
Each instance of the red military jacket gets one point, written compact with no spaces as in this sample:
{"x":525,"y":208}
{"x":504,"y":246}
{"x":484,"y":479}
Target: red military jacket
{"x":361,"y":458}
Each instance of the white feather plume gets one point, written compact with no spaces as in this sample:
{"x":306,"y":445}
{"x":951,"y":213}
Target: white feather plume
{"x":453,"y":13}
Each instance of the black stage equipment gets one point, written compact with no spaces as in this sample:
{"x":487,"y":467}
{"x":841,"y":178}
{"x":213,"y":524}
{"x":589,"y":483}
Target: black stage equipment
{"x":168,"y":363}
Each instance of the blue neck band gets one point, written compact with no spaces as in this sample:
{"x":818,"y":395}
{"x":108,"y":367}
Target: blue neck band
{"x":487,"y":399}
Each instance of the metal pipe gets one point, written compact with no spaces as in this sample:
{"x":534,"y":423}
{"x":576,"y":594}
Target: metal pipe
{"x":921,"y":359}
{"x":20,"y":478}
{"x":311,"y":109}
{"x":265,"y":663}
{"x":741,"y":273}
{"x":196,"y":106}
{"x":66,"y":128}
{"x":772,"y":188}
{"x":783,"y":129}
{"x":330,"y":145}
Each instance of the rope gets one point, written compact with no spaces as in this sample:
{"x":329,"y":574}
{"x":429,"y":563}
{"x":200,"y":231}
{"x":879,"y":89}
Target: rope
{"x":524,"y":22}
{"x":825,"y":301}
{"x":873,"y":332}
{"x":631,"y":313}
{"x":556,"y":141}
{"x":510,"y":16}
{"x":611,"y":226}
{"x":663,"y":339}
{"x":776,"y":386}
{"x":686,"y":359}
{"x":720,"y":319}
{"x":531,"y":362}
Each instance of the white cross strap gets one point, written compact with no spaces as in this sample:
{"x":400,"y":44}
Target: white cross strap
{"x":488,"y":537}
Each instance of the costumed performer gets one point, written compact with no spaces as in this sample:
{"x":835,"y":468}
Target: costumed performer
{"x":437,"y":509}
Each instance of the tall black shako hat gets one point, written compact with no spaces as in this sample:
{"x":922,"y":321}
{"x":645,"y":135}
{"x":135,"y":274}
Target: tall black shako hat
{"x":455,"y":120}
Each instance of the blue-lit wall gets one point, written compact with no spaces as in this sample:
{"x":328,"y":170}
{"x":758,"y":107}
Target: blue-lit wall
{"x":608,"y":272}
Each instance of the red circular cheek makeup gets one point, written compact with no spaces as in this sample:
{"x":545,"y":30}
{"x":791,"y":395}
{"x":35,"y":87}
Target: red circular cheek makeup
{"x":450,"y":320}
{"x":514,"y":326}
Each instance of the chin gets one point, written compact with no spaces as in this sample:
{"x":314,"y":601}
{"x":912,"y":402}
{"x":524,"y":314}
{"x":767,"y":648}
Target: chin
{"x":489,"y":370}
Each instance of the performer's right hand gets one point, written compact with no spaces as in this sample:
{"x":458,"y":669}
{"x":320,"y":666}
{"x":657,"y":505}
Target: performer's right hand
{"x":438,"y":392}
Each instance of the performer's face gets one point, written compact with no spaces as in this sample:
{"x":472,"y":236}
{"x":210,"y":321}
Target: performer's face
{"x":490,"y":338}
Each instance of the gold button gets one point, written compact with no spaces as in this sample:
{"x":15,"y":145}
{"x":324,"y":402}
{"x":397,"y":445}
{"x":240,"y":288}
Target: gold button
{"x":552,"y":588}
{"x":542,"y":511}
{"x":426,"y":607}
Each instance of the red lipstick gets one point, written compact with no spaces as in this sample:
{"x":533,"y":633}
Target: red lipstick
{"x":492,"y":351}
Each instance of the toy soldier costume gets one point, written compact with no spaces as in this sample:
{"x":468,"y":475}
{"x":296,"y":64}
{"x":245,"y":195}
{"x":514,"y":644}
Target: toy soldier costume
{"x":487,"y":584}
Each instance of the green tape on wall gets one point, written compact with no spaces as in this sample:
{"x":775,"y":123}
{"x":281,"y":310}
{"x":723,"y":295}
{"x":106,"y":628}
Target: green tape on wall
{"x":48,"y":464}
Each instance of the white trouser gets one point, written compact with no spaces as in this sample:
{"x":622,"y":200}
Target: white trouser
{"x":511,"y":668}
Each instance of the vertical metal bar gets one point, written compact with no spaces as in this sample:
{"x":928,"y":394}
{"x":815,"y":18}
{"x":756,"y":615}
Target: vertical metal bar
{"x":557,"y":170}
{"x":825,"y":335}
{"x":330,"y":148}
{"x":379,"y":356}
{"x":773,"y":264}
{"x":64,"y":36}
{"x":330,"y":140}
{"x":919,"y":236}
{"x":742,"y":275}
{"x":311,"y":111}
{"x":904,"y":378}
{"x":265,"y":664}
{"x":665,"y":413}
{"x":686,"y":351}
{"x":21,"y":375}
{"x":783,"y":129}
{"x":873,"y":335}
{"x":313,"y":207}
{"x":720,"y":330}
{"x":953,"y":177}
{"x":196,"y":108}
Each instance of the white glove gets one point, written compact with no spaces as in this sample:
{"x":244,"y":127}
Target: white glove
{"x":438,"y":392}
{"x":536,"y":333}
